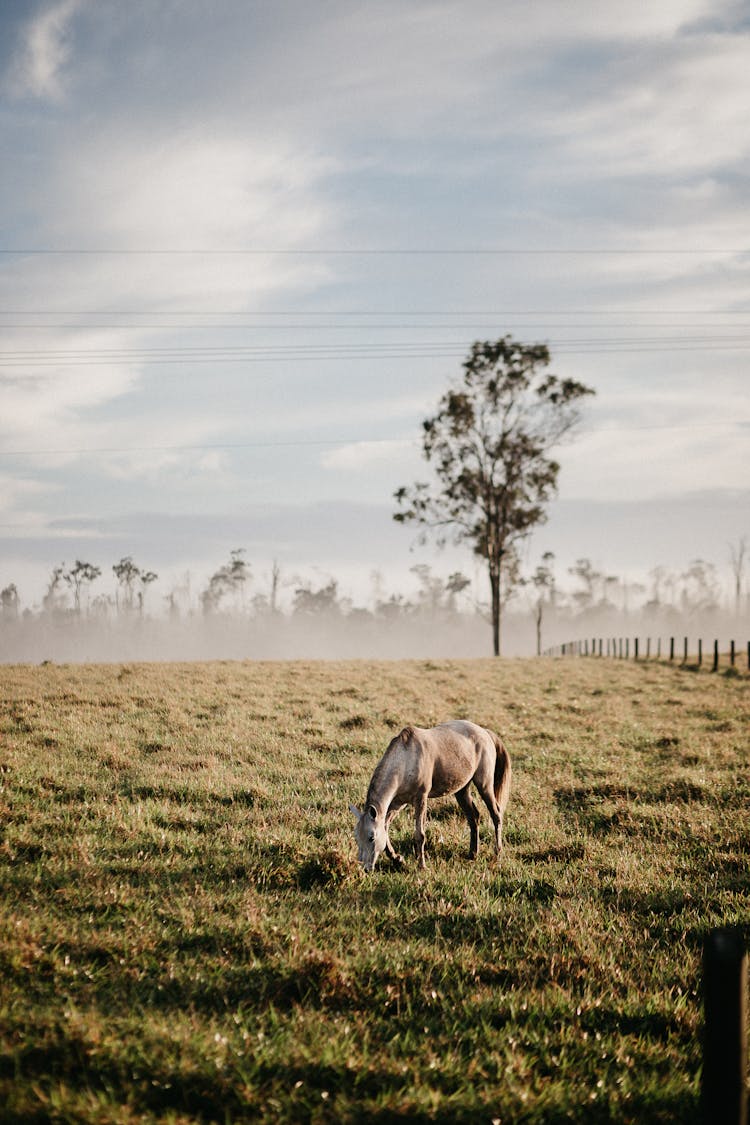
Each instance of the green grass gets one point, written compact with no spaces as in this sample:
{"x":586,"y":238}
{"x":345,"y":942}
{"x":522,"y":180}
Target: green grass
{"x":185,"y":934}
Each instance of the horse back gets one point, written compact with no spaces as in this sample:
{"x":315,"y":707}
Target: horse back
{"x":452,"y":753}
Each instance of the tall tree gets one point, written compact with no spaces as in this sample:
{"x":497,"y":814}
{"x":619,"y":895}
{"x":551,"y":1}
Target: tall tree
{"x":9,"y":602}
{"x":543,"y":579}
{"x":738,"y":555}
{"x":489,"y":446}
{"x":146,"y":578}
{"x":53,"y":600}
{"x":126,"y":572}
{"x":78,"y":578}
{"x":230,"y":578}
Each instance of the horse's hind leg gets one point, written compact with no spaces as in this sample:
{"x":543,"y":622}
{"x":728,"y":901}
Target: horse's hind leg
{"x":487,"y":794}
{"x":471,"y":812}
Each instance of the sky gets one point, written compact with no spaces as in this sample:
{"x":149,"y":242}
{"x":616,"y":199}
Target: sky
{"x":244,"y":248}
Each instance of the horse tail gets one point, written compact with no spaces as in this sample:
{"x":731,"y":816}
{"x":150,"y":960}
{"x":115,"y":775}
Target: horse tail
{"x":502,"y":772}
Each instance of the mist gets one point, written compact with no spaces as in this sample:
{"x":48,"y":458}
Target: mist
{"x":357,"y":634}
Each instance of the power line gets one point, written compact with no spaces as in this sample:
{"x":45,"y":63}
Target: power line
{"x":319,"y":442}
{"x":377,"y":312}
{"x":286,"y":326}
{"x":304,"y":355}
{"x":364,"y":251}
{"x":202,"y":448}
{"x":347,"y":347}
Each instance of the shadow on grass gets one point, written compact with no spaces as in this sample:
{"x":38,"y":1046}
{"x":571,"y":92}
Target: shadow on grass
{"x":248,"y":1087}
{"x":238,"y":1092}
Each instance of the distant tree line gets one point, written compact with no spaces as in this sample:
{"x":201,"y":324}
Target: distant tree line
{"x":583,"y":594}
{"x":69,"y":594}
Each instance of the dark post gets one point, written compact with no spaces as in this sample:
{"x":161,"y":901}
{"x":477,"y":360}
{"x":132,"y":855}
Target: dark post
{"x":723,"y":1088}
{"x":731,"y":653}
{"x":648,"y":648}
{"x":671,"y":648}
{"x":716,"y":657}
{"x":627,"y":648}
{"x":635,"y":653}
{"x":684,"y":658}
{"x":700,"y":652}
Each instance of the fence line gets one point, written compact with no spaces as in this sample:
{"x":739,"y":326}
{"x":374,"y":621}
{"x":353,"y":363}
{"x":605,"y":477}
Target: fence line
{"x":619,"y":648}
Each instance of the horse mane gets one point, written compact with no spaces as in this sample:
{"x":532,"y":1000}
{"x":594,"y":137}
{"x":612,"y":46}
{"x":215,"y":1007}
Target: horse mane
{"x":383,"y":768}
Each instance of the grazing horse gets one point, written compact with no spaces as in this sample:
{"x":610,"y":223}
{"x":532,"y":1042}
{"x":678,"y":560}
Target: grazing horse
{"x":421,"y":763}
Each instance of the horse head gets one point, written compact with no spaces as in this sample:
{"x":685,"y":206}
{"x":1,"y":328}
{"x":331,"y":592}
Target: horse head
{"x":370,"y":834}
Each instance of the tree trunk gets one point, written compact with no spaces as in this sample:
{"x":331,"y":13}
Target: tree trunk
{"x":495,"y":587}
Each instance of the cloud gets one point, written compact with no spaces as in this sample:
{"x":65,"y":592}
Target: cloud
{"x":15,"y":489}
{"x":360,"y":456}
{"x":146,"y":191}
{"x":39,"y":67}
{"x":631,"y":464}
{"x":673,"y":110}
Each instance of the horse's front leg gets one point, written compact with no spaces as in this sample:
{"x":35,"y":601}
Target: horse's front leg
{"x":390,"y":851}
{"x":420,"y":818}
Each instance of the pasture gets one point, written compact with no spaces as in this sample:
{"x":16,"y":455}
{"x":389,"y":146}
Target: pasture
{"x":185,"y":934}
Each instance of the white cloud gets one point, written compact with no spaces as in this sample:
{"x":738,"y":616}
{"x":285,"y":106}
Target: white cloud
{"x":360,"y":456}
{"x":39,"y":66}
{"x":623,"y":463}
{"x":46,"y":408}
{"x":16,"y":489}
{"x":191,"y":191}
{"x":675,"y":109}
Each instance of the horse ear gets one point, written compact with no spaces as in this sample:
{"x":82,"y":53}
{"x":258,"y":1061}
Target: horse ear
{"x":355,"y":810}
{"x":373,"y":812}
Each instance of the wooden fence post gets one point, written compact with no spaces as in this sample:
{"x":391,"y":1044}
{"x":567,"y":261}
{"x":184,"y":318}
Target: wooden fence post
{"x":731,"y":653}
{"x":671,"y":648}
{"x":684,"y":658}
{"x":715,"y":667}
{"x":635,"y":651}
{"x":700,"y":652}
{"x":723,"y":1087}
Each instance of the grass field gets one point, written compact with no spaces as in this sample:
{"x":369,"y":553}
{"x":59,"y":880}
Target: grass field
{"x":185,"y":934}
